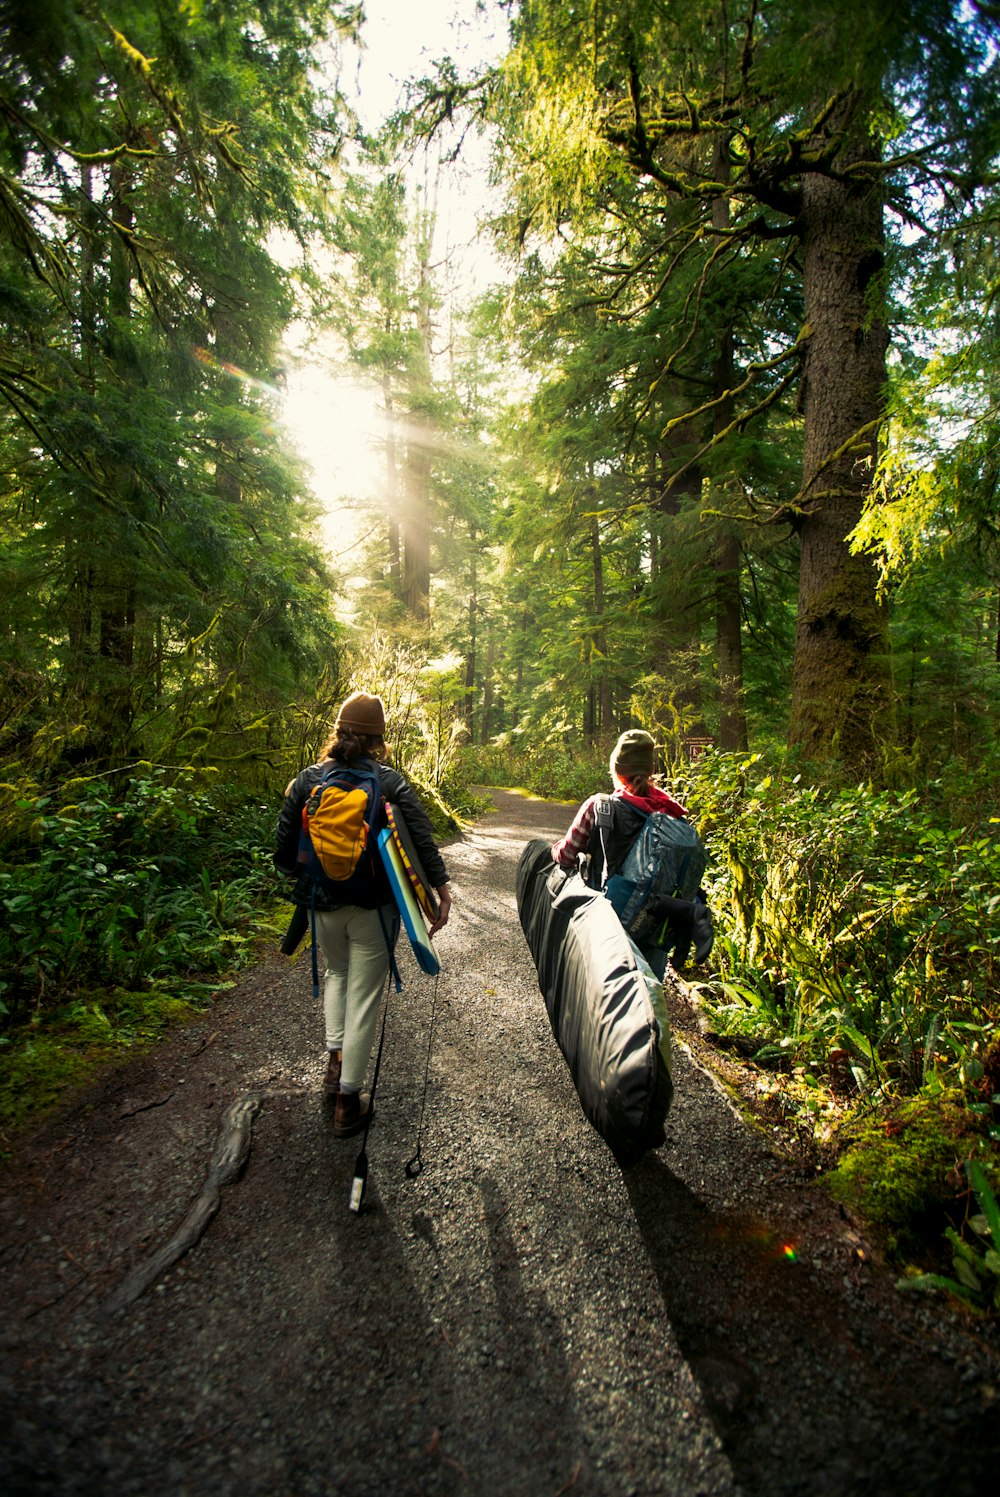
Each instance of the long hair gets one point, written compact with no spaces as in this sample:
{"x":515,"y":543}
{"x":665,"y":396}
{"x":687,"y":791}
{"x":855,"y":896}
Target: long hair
{"x":636,"y":784}
{"x":344,"y":745}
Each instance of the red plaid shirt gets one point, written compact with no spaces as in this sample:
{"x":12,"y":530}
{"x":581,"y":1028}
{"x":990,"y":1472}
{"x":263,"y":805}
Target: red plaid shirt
{"x":567,"y":850}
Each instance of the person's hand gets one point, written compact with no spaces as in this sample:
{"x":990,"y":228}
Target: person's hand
{"x":444,"y":910}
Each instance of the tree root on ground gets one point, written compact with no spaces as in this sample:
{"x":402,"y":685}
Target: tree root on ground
{"x":232,"y":1149}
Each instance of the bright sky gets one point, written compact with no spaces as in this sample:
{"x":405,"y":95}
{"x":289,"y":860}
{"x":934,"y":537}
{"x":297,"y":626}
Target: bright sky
{"x":403,"y":38}
{"x":334,"y":419}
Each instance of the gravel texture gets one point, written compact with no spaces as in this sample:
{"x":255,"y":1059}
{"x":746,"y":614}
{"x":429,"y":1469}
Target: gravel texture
{"x":521,"y":1317}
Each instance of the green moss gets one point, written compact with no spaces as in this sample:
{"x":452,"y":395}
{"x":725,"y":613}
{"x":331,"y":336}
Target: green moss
{"x":901,"y":1172}
{"x":443,"y":818}
{"x":43,"y":1059}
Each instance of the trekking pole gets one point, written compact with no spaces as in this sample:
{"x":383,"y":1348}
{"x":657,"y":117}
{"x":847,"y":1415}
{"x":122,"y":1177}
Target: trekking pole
{"x":416,"y":1164}
{"x":360,"y":1181}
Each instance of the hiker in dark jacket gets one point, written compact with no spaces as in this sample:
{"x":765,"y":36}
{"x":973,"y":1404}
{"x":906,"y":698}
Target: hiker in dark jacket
{"x":635,"y":795}
{"x":354,"y":938}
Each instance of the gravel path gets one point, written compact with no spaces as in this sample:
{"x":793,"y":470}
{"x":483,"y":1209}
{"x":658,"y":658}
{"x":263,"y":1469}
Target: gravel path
{"x":523,"y":1317}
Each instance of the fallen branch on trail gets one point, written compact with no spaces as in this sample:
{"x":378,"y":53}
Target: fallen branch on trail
{"x":232,"y":1149}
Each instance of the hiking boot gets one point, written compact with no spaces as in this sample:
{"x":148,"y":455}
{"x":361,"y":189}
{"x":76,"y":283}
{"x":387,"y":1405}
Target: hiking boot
{"x":704,"y":934}
{"x":352,"y":1113}
{"x":331,"y":1081}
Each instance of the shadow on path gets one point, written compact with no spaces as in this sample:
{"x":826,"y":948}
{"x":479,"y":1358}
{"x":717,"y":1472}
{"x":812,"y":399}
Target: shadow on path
{"x":811,"y":1391}
{"x":289,"y":1352}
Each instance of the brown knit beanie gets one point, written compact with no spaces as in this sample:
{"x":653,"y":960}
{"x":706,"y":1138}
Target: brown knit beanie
{"x":362,"y":714}
{"x":633,"y":754}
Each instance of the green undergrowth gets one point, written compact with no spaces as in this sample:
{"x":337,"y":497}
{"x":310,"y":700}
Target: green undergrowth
{"x":45,"y":1058}
{"x":858,"y":929}
{"x":126,"y":901}
{"x":920,"y":1173}
{"x":924,"y":1177}
{"x":901,"y":1171}
{"x":548,"y":772}
{"x":857,"y":964}
{"x":124,"y":882}
{"x":974,"y":1279}
{"x":452,"y":807}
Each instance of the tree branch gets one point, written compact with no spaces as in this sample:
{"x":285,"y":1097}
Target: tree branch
{"x":752,"y":371}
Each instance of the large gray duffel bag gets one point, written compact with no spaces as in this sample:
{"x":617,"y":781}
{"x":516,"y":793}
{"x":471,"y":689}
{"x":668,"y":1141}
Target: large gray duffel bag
{"x":605,"y":1006}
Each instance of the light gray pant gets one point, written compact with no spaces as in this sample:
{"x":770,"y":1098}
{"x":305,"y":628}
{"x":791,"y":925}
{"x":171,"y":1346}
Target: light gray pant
{"x":357,"y":961}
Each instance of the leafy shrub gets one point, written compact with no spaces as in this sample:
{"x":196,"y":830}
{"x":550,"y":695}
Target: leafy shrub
{"x":975,"y":1253}
{"x":863,"y":922}
{"x":555,"y":772}
{"x":463,"y":803}
{"x":107,"y":885}
{"x":901,"y":1171}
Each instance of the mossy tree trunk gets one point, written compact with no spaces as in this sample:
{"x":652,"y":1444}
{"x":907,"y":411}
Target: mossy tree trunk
{"x":840,"y":688}
{"x":392,"y":481}
{"x":675,"y":624}
{"x":417,"y":520}
{"x":469,"y":702}
{"x":600,"y":708}
{"x":727,"y":558}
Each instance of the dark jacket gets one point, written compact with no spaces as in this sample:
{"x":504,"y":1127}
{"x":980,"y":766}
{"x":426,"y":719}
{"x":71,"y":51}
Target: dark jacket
{"x":394,"y":788}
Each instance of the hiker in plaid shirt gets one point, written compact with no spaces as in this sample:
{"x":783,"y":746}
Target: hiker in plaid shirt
{"x":633,"y":759}
{"x":635,"y":795}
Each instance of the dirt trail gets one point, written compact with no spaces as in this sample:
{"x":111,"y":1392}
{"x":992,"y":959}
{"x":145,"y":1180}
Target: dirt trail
{"x":521,"y":1318}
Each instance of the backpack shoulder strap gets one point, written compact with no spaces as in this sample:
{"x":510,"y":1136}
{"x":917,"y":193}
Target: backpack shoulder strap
{"x":604,"y":811}
{"x":617,"y":823}
{"x":365,"y":778}
{"x":627,"y":825}
{"x":369,"y":777}
{"x":603,"y":823}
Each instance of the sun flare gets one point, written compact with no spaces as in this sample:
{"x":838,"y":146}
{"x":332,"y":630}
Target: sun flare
{"x":337,"y":425}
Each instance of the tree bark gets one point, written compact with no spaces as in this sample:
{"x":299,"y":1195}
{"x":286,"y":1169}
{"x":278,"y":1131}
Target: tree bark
{"x":79,"y":546}
{"x":840,"y":683}
{"x":600,"y":706}
{"x":392,"y":488}
{"x":416,"y":527}
{"x":487,"y":719}
{"x":113,"y":705}
{"x":416,"y":523}
{"x":470,"y":653}
{"x":729,"y":642}
{"x":674,"y":636}
{"x":727,"y":556}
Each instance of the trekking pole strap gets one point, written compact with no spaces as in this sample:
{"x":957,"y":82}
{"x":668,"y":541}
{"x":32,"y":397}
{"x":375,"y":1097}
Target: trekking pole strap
{"x":390,"y":946}
{"x":414,"y":1165}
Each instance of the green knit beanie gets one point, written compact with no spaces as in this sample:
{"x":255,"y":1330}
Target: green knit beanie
{"x":633,"y":754}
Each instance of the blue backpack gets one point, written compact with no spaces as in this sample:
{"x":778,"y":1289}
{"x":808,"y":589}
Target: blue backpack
{"x":666,"y":860}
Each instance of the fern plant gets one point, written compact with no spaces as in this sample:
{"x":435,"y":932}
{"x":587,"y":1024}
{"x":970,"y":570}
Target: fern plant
{"x":975,"y":1257}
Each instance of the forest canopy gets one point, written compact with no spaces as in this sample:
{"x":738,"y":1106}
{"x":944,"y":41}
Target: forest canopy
{"x":717,"y":453}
